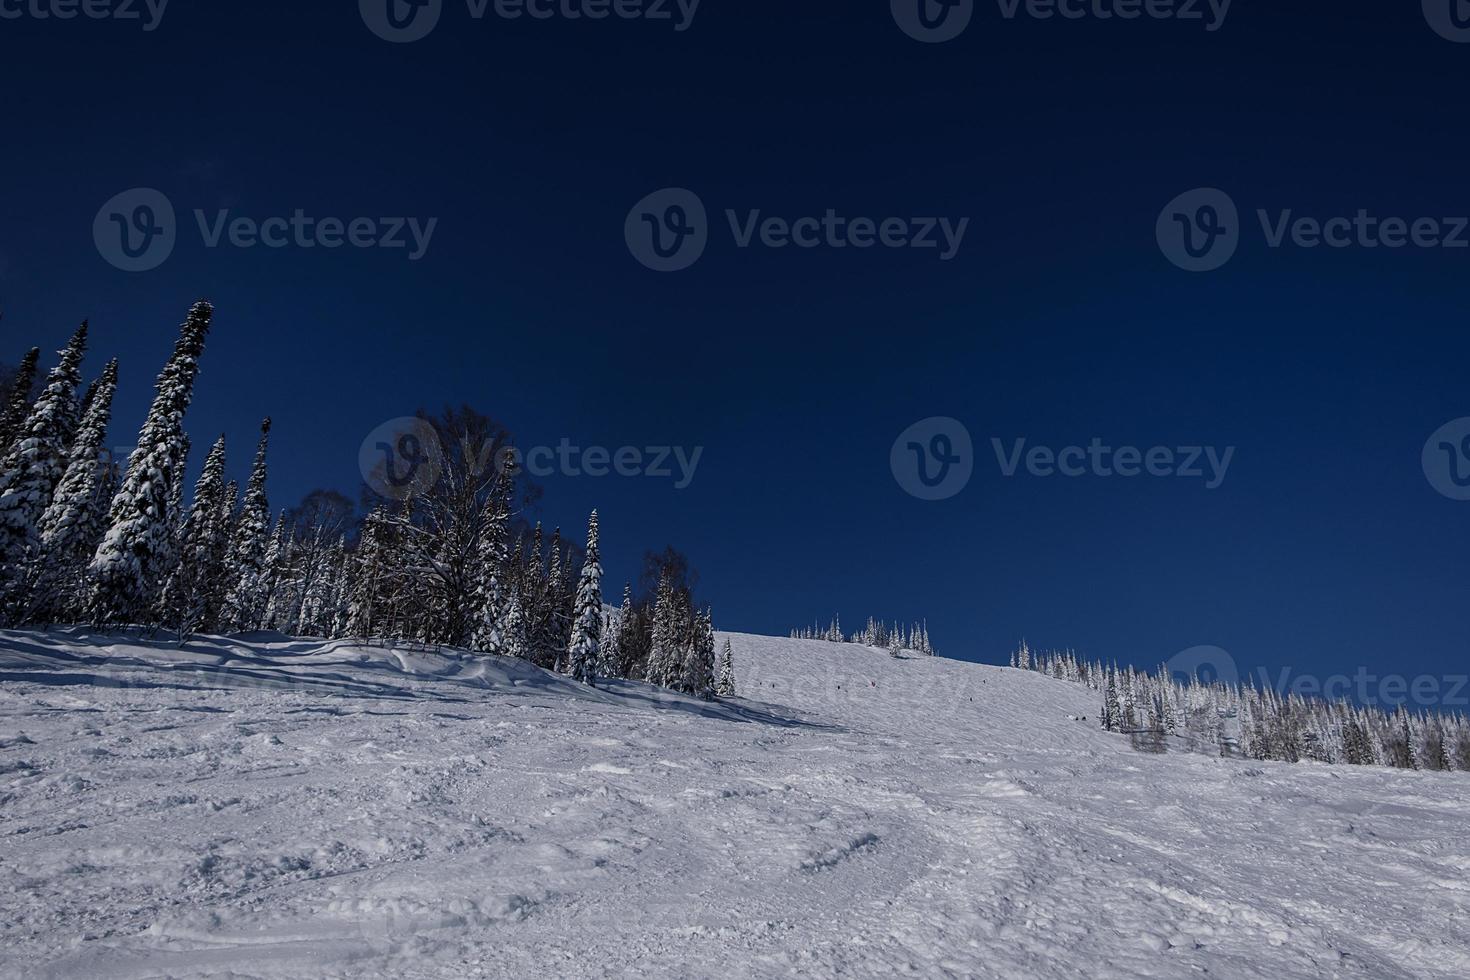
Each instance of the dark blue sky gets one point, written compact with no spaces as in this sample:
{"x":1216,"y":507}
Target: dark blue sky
{"x":1060,"y":320}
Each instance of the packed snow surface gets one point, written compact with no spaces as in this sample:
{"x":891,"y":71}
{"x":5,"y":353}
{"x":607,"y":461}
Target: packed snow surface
{"x":267,"y":807}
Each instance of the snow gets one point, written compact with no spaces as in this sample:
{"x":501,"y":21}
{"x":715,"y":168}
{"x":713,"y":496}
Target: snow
{"x":269,"y":807}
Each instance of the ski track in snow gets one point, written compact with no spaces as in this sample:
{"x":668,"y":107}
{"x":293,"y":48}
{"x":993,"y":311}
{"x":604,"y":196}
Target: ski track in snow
{"x":267,"y":807}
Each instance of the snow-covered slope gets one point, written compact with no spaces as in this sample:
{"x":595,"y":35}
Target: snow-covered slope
{"x":299,"y":808}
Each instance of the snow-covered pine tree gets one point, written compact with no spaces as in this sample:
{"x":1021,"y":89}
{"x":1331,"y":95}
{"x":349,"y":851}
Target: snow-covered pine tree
{"x":18,"y":400}
{"x":492,"y":590}
{"x":725,"y":688}
{"x":367,"y":577}
{"x":610,"y":662}
{"x":1112,"y":717}
{"x":192,"y":596}
{"x":34,"y":465}
{"x":1440,"y":757}
{"x":245,"y":567}
{"x":629,"y":647}
{"x":321,"y":568}
{"x":135,"y":553}
{"x":71,"y":525}
{"x":696,"y":673}
{"x":664,"y":655}
{"x":558,"y":608}
{"x":586,"y":642}
{"x":514,"y":636}
{"x":277,"y":565}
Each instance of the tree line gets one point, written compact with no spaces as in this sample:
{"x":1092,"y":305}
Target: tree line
{"x":86,"y":541}
{"x":893,"y":637}
{"x":1157,"y":710}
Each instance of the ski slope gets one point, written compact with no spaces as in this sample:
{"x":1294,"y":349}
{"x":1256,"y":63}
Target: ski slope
{"x":266,"y":807}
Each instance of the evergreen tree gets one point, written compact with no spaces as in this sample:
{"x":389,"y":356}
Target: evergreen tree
{"x":72,"y":525}
{"x":134,"y":555}
{"x":630,"y":647}
{"x":664,"y":656}
{"x":491,"y":593}
{"x":34,"y":465}
{"x":726,"y":686}
{"x":246,"y":601}
{"x":277,"y":566}
{"x":18,"y":400}
{"x":367,"y":577}
{"x":696,"y":674}
{"x":1112,"y":718}
{"x":1442,"y":760}
{"x":193,"y":594}
{"x":515,"y":638}
{"x":586,"y":639}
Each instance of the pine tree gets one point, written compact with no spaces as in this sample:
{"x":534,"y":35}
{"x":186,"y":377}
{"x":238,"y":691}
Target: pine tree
{"x":517,"y":642}
{"x":72,"y":525}
{"x":135,"y":554}
{"x":630,"y":647}
{"x":245,"y":566}
{"x":1112,"y":718}
{"x":1442,"y":760}
{"x":491,"y":593}
{"x":586,"y":641}
{"x":18,"y":402}
{"x":664,"y":655}
{"x":277,"y":565}
{"x":726,"y":686}
{"x":34,"y":465}
{"x":368,"y":574}
{"x":192,"y":596}
{"x":696,"y":673}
